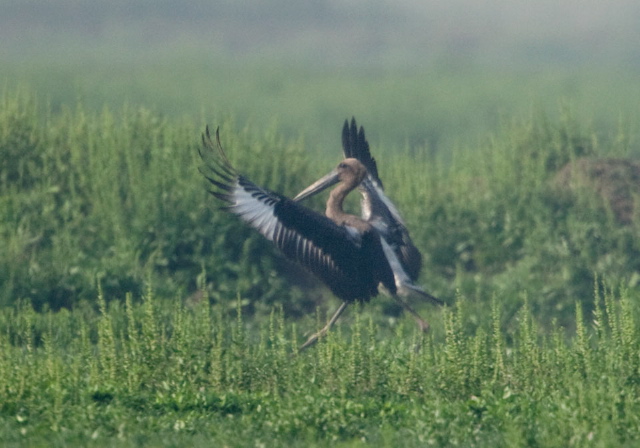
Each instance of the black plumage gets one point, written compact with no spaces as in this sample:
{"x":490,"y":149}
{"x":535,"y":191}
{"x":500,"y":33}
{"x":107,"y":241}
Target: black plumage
{"x":354,"y":257}
{"x":351,"y":263}
{"x":377,"y":209}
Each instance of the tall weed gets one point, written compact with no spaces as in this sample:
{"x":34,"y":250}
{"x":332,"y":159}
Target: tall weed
{"x":175,"y":374}
{"x":115,"y":196}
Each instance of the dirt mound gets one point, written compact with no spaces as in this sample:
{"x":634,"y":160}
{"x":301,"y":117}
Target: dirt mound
{"x":616,"y":181}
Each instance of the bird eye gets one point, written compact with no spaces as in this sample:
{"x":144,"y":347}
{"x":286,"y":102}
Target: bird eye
{"x":342,"y":165}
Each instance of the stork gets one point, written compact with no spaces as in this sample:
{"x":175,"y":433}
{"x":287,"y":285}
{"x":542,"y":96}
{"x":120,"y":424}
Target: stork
{"x":377,"y":209}
{"x":346,"y":252}
{"x":381,"y":214}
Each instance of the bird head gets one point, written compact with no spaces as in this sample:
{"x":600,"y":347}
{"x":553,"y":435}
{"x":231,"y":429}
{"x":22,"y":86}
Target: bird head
{"x":350,"y":172}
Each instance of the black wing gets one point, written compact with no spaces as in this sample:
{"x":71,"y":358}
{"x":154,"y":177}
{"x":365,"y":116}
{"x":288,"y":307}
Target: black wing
{"x":356,"y":146}
{"x":350,"y":264}
{"x":377,"y":208}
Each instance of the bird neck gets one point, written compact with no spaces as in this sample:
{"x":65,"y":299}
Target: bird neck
{"x":335,"y":212}
{"x":334,"y":209}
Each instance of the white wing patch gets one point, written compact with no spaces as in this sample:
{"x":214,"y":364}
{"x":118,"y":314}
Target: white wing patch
{"x":256,"y":208}
{"x":404,"y":284}
{"x":373,"y":188}
{"x":252,"y":210}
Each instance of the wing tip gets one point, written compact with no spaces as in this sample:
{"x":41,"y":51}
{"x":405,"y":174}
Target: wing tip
{"x":423,"y":294}
{"x":355,"y":145}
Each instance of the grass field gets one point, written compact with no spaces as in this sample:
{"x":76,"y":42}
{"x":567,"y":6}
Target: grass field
{"x":135,"y":313}
{"x":161,"y":374}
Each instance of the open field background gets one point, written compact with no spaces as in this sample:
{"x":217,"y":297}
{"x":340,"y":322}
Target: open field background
{"x":134,"y":312}
{"x":416,"y":73}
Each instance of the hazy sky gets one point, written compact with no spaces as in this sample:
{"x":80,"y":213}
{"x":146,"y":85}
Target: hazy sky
{"x":332,"y":31}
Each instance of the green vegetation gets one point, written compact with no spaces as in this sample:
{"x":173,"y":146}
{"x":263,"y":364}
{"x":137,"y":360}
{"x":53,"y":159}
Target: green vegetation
{"x":117,"y":197}
{"x":161,"y":374}
{"x":97,"y":205}
{"x":134,"y":313}
{"x":442,"y":107}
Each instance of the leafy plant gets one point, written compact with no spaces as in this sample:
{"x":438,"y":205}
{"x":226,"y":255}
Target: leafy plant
{"x":165,"y":374}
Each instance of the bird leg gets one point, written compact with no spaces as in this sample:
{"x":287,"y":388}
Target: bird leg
{"x":314,"y":337}
{"x":423,"y":324}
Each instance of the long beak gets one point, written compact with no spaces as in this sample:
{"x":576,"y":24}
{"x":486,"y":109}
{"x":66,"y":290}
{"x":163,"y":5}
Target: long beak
{"x":318,"y":186}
